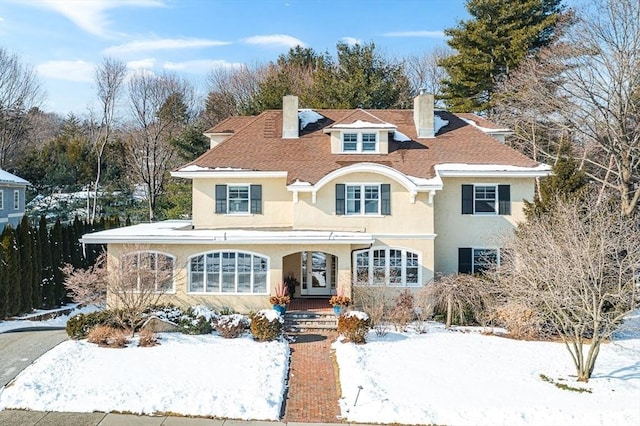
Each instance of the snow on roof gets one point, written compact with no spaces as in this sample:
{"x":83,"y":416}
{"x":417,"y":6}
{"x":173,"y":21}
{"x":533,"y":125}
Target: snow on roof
{"x":485,"y":129}
{"x":6,"y":177}
{"x":359,"y":124}
{"x":400,"y":137}
{"x":308,"y":116}
{"x":193,"y":168}
{"x":439,"y":123}
{"x":180,"y":232}
{"x":459,"y":169}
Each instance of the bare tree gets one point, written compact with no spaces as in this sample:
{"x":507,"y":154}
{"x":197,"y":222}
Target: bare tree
{"x":231,"y":91}
{"x":20,"y":91}
{"x":587,"y":87}
{"x":577,"y":266}
{"x":87,"y":286}
{"x":424,"y":73}
{"x":161,"y":108}
{"x":110,"y":76}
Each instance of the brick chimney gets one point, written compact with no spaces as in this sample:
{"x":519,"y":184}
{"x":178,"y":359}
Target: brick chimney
{"x":423,"y":115}
{"x":290,"y":124}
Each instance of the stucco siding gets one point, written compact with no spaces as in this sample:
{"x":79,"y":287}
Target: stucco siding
{"x":456,"y":230}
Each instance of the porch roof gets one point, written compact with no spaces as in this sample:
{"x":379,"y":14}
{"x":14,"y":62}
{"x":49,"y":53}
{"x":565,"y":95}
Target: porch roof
{"x":181,"y":232}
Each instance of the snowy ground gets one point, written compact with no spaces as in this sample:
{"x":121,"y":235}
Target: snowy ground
{"x":459,"y":377}
{"x":191,"y":375}
{"x":467,"y":378}
{"x":58,"y":318}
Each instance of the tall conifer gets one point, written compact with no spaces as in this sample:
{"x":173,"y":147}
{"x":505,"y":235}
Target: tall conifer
{"x":25,"y":248}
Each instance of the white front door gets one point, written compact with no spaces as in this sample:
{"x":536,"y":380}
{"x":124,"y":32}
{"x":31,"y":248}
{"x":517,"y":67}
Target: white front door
{"x":318,"y":273}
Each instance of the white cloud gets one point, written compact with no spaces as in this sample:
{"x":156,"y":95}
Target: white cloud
{"x":274,"y":40}
{"x":90,"y":15}
{"x":141,"y":64}
{"x":351,"y":40}
{"x":428,"y":34}
{"x":163,"y":44}
{"x":200,"y":66}
{"x":80,"y":71}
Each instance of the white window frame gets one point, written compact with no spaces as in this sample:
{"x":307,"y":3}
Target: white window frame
{"x":408,"y":259}
{"x":476,"y":199}
{"x":360,"y":143}
{"x":138,"y":254}
{"x":239,"y":185}
{"x":220,"y":255}
{"x":362,"y":187}
{"x":1,"y":199}
{"x":480,"y":249}
{"x":16,"y":199}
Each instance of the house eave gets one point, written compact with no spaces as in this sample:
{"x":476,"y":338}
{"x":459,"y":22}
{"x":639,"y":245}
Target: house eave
{"x":228,"y":174}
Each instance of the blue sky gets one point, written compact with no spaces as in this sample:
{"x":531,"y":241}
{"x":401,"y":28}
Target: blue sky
{"x":64,"y":39}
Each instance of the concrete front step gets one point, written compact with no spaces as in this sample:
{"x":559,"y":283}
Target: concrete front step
{"x":303,"y":320}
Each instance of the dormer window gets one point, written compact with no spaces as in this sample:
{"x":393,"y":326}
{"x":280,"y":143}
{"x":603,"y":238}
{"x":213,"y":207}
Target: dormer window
{"x":360,"y":142}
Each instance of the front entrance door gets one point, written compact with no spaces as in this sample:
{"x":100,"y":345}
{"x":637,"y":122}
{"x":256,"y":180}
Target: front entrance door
{"x":318,"y":273}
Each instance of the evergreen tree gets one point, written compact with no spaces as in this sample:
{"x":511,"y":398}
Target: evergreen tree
{"x":498,"y":37}
{"x":47,"y":279}
{"x":566,"y":181}
{"x":26,"y":261}
{"x":361,"y":78}
{"x":57,"y":261}
{"x":11,"y":273}
{"x":36,"y":268}
{"x":4,"y":289}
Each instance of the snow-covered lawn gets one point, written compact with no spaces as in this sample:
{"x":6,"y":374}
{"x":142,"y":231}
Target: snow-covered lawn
{"x":467,"y":378}
{"x":58,"y":318}
{"x":192,"y":375}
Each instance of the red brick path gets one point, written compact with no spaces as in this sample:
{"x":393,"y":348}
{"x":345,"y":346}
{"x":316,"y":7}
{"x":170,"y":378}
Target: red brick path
{"x":313,"y":391}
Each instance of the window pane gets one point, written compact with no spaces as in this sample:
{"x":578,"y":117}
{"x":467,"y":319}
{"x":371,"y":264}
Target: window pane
{"x":379,"y":266}
{"x":244,"y":273}
{"x":362,"y":268}
{"x":369,"y":142}
{"x":353,"y":199}
{"x":259,"y":274}
{"x":371,"y":199}
{"x":238,"y":199}
{"x":303,"y":260}
{"x":484,"y":259}
{"x":164,"y":273}
{"x":412,"y":269}
{"x":197,"y":274}
{"x":213,"y":272}
{"x":395,"y":267}
{"x":349,"y":142}
{"x":485,"y":199}
{"x":228,"y":272}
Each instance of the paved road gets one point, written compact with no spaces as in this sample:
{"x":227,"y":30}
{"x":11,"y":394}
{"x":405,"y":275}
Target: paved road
{"x":19,"y":349}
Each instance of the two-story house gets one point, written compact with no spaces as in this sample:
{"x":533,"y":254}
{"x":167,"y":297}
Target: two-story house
{"x":12,"y":199}
{"x":337,"y":199}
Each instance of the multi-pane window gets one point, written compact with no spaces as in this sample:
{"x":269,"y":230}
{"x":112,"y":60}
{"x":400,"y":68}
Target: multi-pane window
{"x":1,"y":199}
{"x":350,"y":142}
{"x":484,"y":260}
{"x":484,"y":199}
{"x":148,"y":271}
{"x":359,"y":142}
{"x":238,"y":199}
{"x":383,"y":266}
{"x":228,"y":272}
{"x":16,"y":199}
{"x":363,"y":199}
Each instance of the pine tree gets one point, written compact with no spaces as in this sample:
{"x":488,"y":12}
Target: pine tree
{"x":47,"y":283}
{"x":498,"y":37}
{"x":36,"y":267}
{"x":26,"y":261}
{"x":11,"y":273}
{"x":57,"y":261}
{"x":566,"y":181}
{"x":4,"y":290}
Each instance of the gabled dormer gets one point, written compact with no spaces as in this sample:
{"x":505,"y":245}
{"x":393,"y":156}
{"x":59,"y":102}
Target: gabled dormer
{"x":360,"y":133}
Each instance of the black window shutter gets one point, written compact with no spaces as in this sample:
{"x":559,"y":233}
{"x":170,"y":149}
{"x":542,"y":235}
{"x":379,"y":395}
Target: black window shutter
{"x":221,"y":199}
{"x":504,"y":199}
{"x":465,"y":260}
{"x":340,"y":195}
{"x":467,"y":199}
{"x":256,"y":199}
{"x":385,"y":198}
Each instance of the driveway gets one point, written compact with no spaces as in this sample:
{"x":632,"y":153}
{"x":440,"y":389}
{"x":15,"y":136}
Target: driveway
{"x":19,"y":349}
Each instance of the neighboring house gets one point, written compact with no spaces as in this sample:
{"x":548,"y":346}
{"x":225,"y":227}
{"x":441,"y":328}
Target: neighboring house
{"x":336,"y":199}
{"x":12,"y":194}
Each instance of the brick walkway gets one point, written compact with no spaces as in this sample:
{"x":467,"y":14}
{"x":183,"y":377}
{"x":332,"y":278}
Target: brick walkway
{"x":313,"y":390}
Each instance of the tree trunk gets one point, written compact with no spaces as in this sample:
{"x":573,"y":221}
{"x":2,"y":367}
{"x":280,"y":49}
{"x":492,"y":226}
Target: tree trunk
{"x":449,"y":312}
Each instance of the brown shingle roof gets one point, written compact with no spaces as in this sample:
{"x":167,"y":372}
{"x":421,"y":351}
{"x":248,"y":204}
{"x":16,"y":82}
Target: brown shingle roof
{"x":257,"y":145}
{"x":231,"y":124}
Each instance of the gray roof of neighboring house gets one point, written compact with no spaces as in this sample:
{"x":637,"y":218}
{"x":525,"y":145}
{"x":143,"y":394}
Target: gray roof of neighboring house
{"x":6,"y":177}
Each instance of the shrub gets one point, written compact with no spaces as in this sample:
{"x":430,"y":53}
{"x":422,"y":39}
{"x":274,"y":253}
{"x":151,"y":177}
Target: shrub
{"x":354,"y":326}
{"x":403,"y":311}
{"x":195,"y":321}
{"x":107,"y":336}
{"x":266,"y":325}
{"x":521,"y":321}
{"x":374,"y":301}
{"x":168,"y":313}
{"x":147,"y":339}
{"x":78,"y":326}
{"x":231,"y":326}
